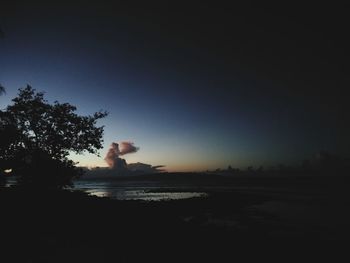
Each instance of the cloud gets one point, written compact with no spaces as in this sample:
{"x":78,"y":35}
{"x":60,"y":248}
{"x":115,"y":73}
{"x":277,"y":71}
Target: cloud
{"x":112,"y":154}
{"x":127,"y":147}
{"x":112,"y":158}
{"x":144,"y":168}
{"x":119,"y":166}
{"x":131,"y":169}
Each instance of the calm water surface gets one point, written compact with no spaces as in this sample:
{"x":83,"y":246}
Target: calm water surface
{"x":140,"y":190}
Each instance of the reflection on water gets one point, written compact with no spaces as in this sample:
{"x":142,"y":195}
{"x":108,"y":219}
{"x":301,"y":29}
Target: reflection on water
{"x":135,"y":191}
{"x":146,"y":196}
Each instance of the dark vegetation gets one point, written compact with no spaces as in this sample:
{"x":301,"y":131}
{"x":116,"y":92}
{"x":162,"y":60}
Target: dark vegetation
{"x":262,"y":217}
{"x":2,"y":89}
{"x":37,"y":137}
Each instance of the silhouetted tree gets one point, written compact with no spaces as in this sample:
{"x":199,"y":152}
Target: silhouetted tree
{"x":42,"y":136}
{"x":8,"y":136}
{"x":2,"y":90}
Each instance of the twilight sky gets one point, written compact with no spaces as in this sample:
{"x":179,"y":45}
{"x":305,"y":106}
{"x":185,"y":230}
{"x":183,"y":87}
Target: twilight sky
{"x":195,"y":86}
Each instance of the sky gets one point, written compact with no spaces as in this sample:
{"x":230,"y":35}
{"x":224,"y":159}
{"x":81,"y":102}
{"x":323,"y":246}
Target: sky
{"x":195,"y":86}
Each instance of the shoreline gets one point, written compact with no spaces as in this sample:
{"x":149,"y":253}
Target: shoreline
{"x":63,"y":224}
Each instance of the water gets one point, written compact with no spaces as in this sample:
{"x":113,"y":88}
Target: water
{"x":139,"y":190}
{"x":161,"y":190}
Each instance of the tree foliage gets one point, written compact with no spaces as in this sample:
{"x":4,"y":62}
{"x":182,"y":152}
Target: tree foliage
{"x":39,"y":136}
{"x":2,"y":90}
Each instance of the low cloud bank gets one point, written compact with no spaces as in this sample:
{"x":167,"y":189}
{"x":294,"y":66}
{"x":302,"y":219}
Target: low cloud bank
{"x":131,"y":169}
{"x":118,"y":166}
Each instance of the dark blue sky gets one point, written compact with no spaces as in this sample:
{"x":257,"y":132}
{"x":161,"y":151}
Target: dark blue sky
{"x":194,"y":86}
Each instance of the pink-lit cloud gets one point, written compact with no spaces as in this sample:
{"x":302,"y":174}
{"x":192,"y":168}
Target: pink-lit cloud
{"x":112,"y":158}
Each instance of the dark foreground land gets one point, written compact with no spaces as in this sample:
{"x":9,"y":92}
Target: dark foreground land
{"x":270,"y":219}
